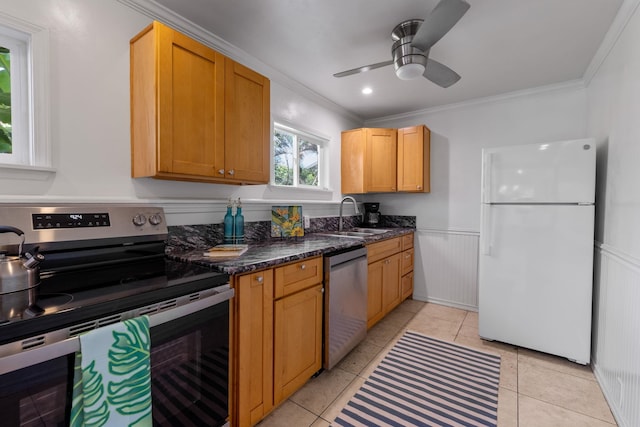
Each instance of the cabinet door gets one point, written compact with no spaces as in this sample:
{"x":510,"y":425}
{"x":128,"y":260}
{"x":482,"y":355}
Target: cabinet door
{"x":253,"y":368}
{"x":413,"y":159}
{"x":297,"y":340}
{"x":391,"y":295}
{"x":375,"y":280}
{"x":352,"y":166}
{"x":247,"y":124}
{"x":191,"y":106}
{"x":381,"y":164}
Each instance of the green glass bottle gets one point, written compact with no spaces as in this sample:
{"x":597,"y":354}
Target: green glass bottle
{"x":229,"y":224}
{"x":239,"y":224}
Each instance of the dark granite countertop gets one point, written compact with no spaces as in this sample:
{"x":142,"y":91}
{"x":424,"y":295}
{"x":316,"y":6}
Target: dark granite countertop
{"x":270,"y":253}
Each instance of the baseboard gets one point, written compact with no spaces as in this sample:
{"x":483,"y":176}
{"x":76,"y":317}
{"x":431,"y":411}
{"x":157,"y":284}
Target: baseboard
{"x":452,"y":304}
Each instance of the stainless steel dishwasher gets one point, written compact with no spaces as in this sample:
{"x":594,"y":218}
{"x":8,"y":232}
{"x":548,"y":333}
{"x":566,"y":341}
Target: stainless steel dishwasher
{"x":345,"y":303}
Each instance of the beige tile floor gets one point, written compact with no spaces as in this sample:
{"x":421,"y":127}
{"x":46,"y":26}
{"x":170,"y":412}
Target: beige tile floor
{"x":536,"y":389}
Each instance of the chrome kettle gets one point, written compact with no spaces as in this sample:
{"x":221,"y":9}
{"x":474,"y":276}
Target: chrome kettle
{"x":19,"y":277}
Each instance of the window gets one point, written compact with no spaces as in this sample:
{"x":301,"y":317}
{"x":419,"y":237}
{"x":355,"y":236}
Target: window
{"x":297,"y":158}
{"x":24,"y":134}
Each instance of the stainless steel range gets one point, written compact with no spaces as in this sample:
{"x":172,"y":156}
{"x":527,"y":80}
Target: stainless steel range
{"x":100,"y":265}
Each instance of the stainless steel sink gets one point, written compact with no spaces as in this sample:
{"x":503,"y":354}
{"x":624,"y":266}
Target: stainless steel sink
{"x":371,"y":230}
{"x":357,"y":232}
{"x":354,"y":234}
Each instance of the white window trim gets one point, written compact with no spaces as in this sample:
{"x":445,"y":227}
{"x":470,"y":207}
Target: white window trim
{"x":39,"y":163}
{"x":319,"y":140}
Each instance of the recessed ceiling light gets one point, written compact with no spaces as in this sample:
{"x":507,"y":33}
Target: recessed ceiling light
{"x":367,"y":91}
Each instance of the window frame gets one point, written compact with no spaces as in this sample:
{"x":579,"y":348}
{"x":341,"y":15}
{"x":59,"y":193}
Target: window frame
{"x":32,"y":152}
{"x":320,"y":141}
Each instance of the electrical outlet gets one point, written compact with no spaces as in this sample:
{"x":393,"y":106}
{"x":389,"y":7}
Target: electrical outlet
{"x":307,"y":221}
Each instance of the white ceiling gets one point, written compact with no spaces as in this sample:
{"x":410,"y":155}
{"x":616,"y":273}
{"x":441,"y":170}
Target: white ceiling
{"x":498,"y":46}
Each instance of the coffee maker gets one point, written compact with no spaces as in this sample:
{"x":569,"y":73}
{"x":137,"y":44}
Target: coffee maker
{"x":371,"y":215}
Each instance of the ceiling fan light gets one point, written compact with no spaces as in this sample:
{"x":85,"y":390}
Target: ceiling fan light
{"x":410,"y":71}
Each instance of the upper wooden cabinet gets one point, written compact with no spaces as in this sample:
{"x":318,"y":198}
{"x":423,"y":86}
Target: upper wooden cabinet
{"x":247,"y":124}
{"x":385,"y":160}
{"x":414,"y":144}
{"x":195,"y":114}
{"x":368,"y":160}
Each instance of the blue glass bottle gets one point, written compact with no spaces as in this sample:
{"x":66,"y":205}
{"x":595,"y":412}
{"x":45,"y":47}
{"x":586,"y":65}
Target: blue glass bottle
{"x":239,"y":224}
{"x":228,"y":224}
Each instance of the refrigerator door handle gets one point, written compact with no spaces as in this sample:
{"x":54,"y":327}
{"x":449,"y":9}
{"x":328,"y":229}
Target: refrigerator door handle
{"x":486,"y":177}
{"x":485,"y":232}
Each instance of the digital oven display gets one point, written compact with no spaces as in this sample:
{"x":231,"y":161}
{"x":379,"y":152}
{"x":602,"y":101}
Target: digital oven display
{"x":70,"y":220}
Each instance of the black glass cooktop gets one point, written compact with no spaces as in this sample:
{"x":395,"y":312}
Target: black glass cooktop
{"x":69,"y":296}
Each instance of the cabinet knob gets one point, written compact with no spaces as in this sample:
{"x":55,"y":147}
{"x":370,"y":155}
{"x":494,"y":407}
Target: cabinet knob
{"x":259,"y":279}
{"x":419,"y":187}
{"x":303,"y":266}
{"x":231,"y":172}
{"x":221,"y":171}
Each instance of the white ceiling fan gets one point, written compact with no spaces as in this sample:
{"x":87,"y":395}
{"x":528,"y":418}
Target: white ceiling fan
{"x":412,"y":41}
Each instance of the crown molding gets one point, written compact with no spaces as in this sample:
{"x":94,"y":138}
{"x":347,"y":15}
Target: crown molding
{"x":626,"y":11}
{"x":565,"y":86}
{"x":158,"y":12}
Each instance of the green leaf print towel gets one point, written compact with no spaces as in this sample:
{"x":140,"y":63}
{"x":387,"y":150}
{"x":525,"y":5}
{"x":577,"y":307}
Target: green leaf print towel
{"x":112,"y":383}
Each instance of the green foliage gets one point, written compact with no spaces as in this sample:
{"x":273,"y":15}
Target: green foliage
{"x":283,"y":175}
{"x":5,"y":101}
{"x":285,"y":151}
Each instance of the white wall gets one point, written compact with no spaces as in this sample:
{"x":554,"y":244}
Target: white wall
{"x":448,"y":218}
{"x":613,"y":117}
{"x":89,"y":84}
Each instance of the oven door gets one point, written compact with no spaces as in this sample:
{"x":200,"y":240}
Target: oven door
{"x":189,"y":371}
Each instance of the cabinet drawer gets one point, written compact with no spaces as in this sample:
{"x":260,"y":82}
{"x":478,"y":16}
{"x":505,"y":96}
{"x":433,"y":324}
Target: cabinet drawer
{"x":295,"y":277}
{"x":407,"y":261}
{"x":407,"y":241}
{"x":406,"y":285}
{"x":383,"y":249}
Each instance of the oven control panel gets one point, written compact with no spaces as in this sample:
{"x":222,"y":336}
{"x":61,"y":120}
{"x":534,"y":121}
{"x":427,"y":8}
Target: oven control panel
{"x":70,"y":220}
{"x":67,"y":223}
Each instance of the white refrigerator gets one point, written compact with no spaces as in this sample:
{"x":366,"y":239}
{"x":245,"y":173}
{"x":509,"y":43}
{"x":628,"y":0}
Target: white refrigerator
{"x":536,"y":247}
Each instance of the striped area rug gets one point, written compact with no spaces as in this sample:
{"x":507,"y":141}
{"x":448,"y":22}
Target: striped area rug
{"x":423,"y":381}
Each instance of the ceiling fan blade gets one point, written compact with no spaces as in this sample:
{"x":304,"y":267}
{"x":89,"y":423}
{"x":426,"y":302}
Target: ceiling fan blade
{"x":440,"y":74}
{"x":363,"y":69}
{"x":441,"y":19}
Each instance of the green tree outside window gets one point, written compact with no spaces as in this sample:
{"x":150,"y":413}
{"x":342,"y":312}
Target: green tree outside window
{"x":5,"y":101}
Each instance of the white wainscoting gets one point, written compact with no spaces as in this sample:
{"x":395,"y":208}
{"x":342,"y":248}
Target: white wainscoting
{"x":616,"y":333}
{"x":446,"y":268}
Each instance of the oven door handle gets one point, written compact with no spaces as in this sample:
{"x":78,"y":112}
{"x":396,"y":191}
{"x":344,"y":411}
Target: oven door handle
{"x":71,"y":345}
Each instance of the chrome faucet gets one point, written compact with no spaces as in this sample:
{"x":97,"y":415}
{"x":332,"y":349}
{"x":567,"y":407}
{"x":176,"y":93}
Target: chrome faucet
{"x":355,"y":205}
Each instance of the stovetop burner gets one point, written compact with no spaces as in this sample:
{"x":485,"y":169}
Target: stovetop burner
{"x":78,"y":296}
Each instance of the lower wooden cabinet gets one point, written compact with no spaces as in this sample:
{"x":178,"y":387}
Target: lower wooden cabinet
{"x":276,"y":337}
{"x":297,"y":341}
{"x":391,"y":282}
{"x":390,"y":276}
{"x":252,"y":388}
{"x":375,"y":279}
{"x":383,"y":278}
